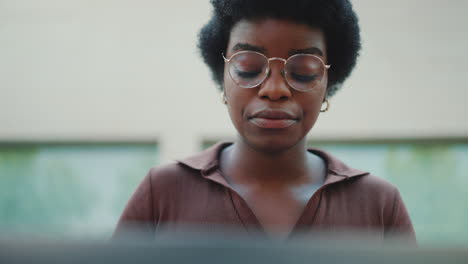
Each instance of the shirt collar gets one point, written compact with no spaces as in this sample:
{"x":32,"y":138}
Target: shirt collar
{"x":207,"y":161}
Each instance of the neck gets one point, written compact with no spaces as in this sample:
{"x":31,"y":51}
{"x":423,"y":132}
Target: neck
{"x":244,"y":164}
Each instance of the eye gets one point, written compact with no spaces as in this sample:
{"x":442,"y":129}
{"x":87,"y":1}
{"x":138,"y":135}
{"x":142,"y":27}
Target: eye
{"x":303,"y":78}
{"x":248,"y":74}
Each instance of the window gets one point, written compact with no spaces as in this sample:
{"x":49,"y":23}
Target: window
{"x":65,"y":190}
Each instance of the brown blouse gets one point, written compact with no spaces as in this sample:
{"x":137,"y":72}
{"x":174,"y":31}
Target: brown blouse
{"x":193,"y":192}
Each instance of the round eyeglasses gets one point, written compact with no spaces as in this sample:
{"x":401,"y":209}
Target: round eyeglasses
{"x":303,"y":72}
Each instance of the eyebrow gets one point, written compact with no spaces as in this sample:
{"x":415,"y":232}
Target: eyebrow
{"x":245,"y":46}
{"x":311,"y":50}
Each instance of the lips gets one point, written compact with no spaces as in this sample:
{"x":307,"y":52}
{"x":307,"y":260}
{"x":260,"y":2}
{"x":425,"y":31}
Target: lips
{"x":273,"y":119}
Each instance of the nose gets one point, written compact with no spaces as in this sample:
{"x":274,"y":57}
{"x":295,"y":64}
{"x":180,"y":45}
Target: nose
{"x":275,"y":87}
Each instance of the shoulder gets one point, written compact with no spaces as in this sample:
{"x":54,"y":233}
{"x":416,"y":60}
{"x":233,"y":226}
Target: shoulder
{"x":357,"y":187}
{"x":171,"y":173}
{"x":385,"y":200}
{"x":183,"y":176}
{"x":365,"y":191}
{"x":374,"y":185}
{"x":161,"y":180}
{"x":156,"y":192}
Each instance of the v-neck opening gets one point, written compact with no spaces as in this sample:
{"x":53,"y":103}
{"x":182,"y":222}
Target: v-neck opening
{"x":247,"y":216}
{"x":250,"y":220}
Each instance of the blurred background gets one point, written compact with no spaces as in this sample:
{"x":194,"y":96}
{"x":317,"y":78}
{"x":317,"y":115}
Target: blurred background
{"x":94,"y":93}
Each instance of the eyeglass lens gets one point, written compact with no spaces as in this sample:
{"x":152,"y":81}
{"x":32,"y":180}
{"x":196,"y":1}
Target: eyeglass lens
{"x":302,"y":72}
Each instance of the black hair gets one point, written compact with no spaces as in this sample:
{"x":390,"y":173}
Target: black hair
{"x":335,"y":18}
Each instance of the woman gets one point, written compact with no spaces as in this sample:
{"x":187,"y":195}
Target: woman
{"x":277,"y":65}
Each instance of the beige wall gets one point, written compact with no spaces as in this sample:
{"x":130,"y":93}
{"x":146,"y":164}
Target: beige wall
{"x":129,"y":70}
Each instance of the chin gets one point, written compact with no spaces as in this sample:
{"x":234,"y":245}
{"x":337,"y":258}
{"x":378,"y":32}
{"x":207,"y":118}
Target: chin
{"x":273,"y":144}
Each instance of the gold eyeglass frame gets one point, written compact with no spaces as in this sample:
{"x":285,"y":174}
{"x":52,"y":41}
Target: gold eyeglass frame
{"x":283,"y":72}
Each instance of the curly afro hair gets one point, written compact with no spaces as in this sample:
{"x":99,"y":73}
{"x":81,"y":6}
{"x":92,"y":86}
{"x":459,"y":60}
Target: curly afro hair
{"x":335,"y":18}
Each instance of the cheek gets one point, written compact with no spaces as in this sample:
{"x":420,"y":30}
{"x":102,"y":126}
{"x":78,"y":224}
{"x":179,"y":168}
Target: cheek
{"x":311,"y":108}
{"x":233,"y":97}
{"x":312,"y":112}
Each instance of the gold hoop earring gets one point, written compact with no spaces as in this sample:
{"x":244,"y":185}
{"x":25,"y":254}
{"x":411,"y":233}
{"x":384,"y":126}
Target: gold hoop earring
{"x":327,"y":106}
{"x":223,"y":97}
